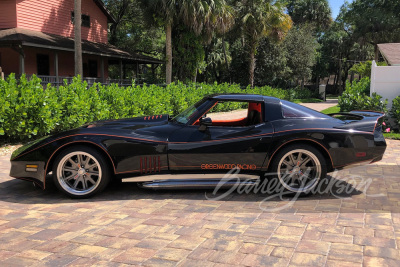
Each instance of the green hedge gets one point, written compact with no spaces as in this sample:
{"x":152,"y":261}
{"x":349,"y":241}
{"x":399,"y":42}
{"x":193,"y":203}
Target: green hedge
{"x":395,"y":111}
{"x":356,"y":97}
{"x":28,"y":111}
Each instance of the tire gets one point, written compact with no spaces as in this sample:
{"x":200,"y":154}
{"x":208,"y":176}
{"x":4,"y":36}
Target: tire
{"x":88,"y":178}
{"x":299,"y":176}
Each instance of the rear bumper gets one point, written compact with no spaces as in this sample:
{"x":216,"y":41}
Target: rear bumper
{"x":19,"y":171}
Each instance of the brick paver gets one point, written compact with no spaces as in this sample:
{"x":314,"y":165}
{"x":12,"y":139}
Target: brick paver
{"x":126,"y":225}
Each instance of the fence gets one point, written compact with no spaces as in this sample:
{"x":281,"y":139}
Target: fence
{"x":385,"y":81}
{"x":56,"y":81}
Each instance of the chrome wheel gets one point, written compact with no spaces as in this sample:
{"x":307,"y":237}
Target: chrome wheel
{"x":299,"y":170}
{"x":79,"y":173}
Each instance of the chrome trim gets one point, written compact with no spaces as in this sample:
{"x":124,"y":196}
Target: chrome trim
{"x":197,"y":184}
{"x":158,"y":177}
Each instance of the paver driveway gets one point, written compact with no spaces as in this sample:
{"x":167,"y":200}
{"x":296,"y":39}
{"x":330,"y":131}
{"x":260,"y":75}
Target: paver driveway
{"x":129,"y":225}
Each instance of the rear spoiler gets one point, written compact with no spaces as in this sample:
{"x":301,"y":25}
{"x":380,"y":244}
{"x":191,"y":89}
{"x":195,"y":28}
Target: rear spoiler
{"x":359,"y":120}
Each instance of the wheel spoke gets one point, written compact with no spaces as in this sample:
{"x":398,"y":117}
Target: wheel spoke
{"x":91,"y":166}
{"x":89,"y":178}
{"x":293,"y":162}
{"x":76,"y":183}
{"x":305,"y":161}
{"x":287,"y":163}
{"x":71,"y":177}
{"x":84,"y":183}
{"x":86,"y":161}
{"x":70,"y":169}
{"x":73,"y":163}
{"x":299,"y":157}
{"x":80,"y":160}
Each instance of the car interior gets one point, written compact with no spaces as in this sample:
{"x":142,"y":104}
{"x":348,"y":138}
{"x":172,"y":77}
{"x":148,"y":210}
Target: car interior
{"x":238,"y":118}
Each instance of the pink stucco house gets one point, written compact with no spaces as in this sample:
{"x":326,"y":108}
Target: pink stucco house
{"x":36,"y":37}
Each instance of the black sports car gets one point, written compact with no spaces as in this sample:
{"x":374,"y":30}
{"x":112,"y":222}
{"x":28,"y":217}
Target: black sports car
{"x":298,"y":144}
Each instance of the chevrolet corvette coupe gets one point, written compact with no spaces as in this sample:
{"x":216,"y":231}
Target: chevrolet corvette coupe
{"x":196,"y":149}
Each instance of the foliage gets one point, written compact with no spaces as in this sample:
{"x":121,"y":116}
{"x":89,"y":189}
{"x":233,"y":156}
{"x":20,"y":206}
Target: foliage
{"x":315,"y":12}
{"x":259,"y":19}
{"x":27,"y":111}
{"x":188,"y":53}
{"x":364,"y":68}
{"x":374,"y":21}
{"x":202,"y":17}
{"x":272,"y":67}
{"x":395,"y":111}
{"x":394,"y":136}
{"x":301,"y":52}
{"x":356,"y":97}
{"x":299,"y":93}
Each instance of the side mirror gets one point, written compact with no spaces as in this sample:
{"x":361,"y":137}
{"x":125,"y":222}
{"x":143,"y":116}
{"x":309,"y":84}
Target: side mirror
{"x":204,"y":123}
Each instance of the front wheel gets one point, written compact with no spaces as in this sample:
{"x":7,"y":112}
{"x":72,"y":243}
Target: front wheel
{"x":80,"y":172}
{"x":299,"y":168}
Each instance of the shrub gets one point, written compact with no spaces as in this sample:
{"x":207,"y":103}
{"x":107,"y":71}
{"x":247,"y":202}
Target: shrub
{"x":395,"y":111}
{"x":28,"y":111}
{"x":356,"y":97}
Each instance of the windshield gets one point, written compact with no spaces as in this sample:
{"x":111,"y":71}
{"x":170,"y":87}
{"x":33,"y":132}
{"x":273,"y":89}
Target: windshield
{"x":192,"y":112}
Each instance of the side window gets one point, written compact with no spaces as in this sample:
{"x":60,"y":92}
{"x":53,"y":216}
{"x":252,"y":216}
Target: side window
{"x":235,"y":114}
{"x":292,"y":110}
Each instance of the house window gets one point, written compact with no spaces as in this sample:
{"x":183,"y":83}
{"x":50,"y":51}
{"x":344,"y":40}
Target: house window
{"x":43,"y":64}
{"x":85,"y":19}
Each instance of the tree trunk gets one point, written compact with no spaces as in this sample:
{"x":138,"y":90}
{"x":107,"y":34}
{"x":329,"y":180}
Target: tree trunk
{"x":78,"y":37}
{"x":168,"y":45}
{"x":226,"y":58}
{"x":252,"y":67}
{"x":339,"y":79}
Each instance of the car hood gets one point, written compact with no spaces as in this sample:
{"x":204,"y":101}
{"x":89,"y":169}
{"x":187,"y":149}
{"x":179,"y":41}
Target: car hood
{"x":131,"y":123}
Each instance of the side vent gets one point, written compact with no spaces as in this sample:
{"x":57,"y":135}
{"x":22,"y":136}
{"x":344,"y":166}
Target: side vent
{"x":151,"y":164}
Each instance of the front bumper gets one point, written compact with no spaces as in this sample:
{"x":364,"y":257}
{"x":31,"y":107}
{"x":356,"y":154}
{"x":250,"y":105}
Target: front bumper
{"x":19,"y":171}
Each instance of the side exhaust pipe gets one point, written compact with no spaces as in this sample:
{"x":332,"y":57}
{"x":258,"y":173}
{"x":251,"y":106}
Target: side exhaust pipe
{"x":196,"y":184}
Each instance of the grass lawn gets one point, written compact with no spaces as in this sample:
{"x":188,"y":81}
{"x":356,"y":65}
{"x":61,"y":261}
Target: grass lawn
{"x":394,"y":136}
{"x":307,"y":100}
{"x":334,"y":109}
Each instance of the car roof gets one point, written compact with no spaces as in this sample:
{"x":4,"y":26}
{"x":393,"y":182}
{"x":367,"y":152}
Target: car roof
{"x":241,"y":97}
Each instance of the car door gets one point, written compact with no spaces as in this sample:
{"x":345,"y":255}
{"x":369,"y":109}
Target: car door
{"x":219,"y":148}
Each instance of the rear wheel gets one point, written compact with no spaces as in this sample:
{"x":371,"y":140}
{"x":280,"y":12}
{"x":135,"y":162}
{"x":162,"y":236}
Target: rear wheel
{"x":299,"y":168}
{"x":80,"y":172}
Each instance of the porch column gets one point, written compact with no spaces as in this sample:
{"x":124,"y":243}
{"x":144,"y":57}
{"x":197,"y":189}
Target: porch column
{"x":103,"y":78}
{"x":21,"y":63}
{"x":121,"y":71}
{"x":56,"y":67}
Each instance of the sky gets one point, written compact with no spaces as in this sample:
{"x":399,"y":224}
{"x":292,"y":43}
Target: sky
{"x":335,"y":6}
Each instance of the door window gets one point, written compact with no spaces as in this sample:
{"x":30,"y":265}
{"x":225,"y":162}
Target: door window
{"x":235,"y":114}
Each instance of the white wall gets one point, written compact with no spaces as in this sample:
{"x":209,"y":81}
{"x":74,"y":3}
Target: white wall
{"x":385,"y":81}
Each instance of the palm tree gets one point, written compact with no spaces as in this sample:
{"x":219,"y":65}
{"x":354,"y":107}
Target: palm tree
{"x":258,"y":19}
{"x":78,"y":38}
{"x":202,"y":16}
